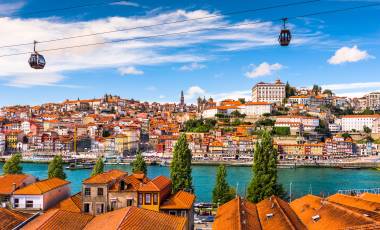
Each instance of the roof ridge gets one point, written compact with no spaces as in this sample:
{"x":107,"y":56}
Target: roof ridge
{"x":126,"y":215}
{"x":344,"y":208}
{"x":283,"y":213}
{"x":13,"y":213}
{"x":239,"y":213}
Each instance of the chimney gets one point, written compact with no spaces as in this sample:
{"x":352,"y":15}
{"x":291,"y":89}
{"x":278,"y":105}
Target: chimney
{"x":13,"y":187}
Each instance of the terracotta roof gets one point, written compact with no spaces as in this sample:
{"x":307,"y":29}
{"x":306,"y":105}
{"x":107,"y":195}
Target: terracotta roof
{"x":71,"y":204}
{"x":133,"y":218}
{"x":41,"y":187}
{"x":157,"y":184}
{"x":232,"y":214}
{"x":370,"y":197}
{"x":283,"y":217}
{"x":8,"y":180}
{"x":353,"y":201}
{"x":331,"y":216}
{"x":10,"y":219}
{"x":180,"y":200}
{"x":105,"y":177}
{"x":59,"y":219}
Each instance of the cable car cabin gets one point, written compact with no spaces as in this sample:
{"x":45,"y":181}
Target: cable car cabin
{"x":284,"y":37}
{"x":37,"y":61}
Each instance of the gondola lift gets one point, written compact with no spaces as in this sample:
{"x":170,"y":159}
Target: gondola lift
{"x":285,"y":35}
{"x":36,"y":60}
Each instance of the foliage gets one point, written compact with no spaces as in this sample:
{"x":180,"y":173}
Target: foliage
{"x":367,"y":129}
{"x":367,"y":111}
{"x":55,"y":168}
{"x":222,"y":191}
{"x":180,"y":168}
{"x":139,"y":164}
{"x":281,"y":131}
{"x":346,"y":135}
{"x":199,"y":125}
{"x":264,"y":182}
{"x":12,"y":166}
{"x":289,"y":90}
{"x":340,"y":112}
{"x":328,"y":92}
{"x":316,"y":89}
{"x":322,"y":127}
{"x":236,"y":113}
{"x":236,"y":122}
{"x":98,"y":168}
{"x":106,"y":133}
{"x":265,"y":122}
{"x":242,"y":100}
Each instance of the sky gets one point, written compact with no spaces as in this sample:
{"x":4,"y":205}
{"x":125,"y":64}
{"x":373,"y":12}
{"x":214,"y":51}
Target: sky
{"x":225,"y":56}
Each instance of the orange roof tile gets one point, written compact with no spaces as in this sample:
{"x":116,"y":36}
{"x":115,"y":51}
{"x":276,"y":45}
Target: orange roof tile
{"x":59,"y":219}
{"x":105,"y":177}
{"x":71,"y":204}
{"x":157,"y":184}
{"x":370,"y":197}
{"x":10,"y":218}
{"x":353,"y":201}
{"x":41,"y":187}
{"x":180,"y":200}
{"x":8,"y":180}
{"x":133,"y":218}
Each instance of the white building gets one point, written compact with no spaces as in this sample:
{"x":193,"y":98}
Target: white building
{"x":269,"y":92}
{"x":373,"y":100}
{"x":300,"y":100}
{"x":41,"y":195}
{"x":358,"y":122}
{"x":255,"y":108}
{"x":307,"y":123}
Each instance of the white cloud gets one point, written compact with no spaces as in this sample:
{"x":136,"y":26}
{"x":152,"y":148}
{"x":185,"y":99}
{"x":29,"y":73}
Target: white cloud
{"x":354,"y":85}
{"x":125,"y":3}
{"x":162,"y":96}
{"x":264,"y":69}
{"x":130,"y":70}
{"x":232,"y":95}
{"x":10,"y":8}
{"x":194,"y":91}
{"x":347,"y":54}
{"x":192,"y":66}
{"x":178,"y":49}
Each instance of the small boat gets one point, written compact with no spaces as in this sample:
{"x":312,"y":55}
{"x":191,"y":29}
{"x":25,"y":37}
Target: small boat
{"x":74,"y":166}
{"x":349,"y":167}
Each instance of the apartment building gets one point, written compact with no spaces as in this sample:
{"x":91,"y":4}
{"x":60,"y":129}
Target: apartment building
{"x":373,"y":100}
{"x":358,"y":122}
{"x":269,"y":92}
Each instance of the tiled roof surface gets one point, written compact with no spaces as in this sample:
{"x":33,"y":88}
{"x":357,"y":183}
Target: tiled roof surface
{"x":41,"y":187}
{"x":232,"y":214}
{"x":10,"y":219}
{"x":157,"y":184}
{"x":331,"y":216}
{"x":7,"y":181}
{"x":133,"y":218}
{"x":59,"y":219}
{"x":356,"y":202}
{"x":370,"y":197}
{"x":105,"y":177}
{"x":180,"y":200}
{"x":71,"y":204}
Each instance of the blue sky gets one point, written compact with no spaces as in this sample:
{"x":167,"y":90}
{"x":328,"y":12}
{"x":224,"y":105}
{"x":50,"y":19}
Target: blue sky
{"x":338,"y":51}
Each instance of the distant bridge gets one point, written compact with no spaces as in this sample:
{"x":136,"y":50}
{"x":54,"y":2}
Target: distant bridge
{"x":359,"y":191}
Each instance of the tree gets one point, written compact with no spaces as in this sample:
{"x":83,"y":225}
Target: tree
{"x":328,"y":92}
{"x":98,"y":168}
{"x":222,"y":192}
{"x":289,"y":90}
{"x":55,"y":168}
{"x":368,"y":111}
{"x":367,"y":130}
{"x":242,"y":100}
{"x":264,"y":182}
{"x":139,"y":165}
{"x":316,"y":89}
{"x":180,"y":168}
{"x":12,"y":166}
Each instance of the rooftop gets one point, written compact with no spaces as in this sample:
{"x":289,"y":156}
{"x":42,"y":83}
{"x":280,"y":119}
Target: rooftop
{"x":180,"y":200}
{"x":8,"y":180}
{"x":41,"y":187}
{"x":105,"y":177}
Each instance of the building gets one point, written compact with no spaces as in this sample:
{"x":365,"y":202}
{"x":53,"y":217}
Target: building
{"x":269,"y":92}
{"x":11,"y":182}
{"x":357,"y":123}
{"x":10,"y":219}
{"x":300,"y":100}
{"x":41,"y":195}
{"x":338,"y":146}
{"x":373,"y":100}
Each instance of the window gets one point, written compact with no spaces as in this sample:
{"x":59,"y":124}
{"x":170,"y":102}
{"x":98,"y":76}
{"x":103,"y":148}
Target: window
{"x":99,"y":208}
{"x":16,"y":202}
{"x":122,"y":185}
{"x":129,"y":202}
{"x":155,"y":198}
{"x":86,"y":208}
{"x":173,"y":212}
{"x":29,"y":204}
{"x":87,"y":191}
{"x":148,"y":198}
{"x":113,"y":205}
{"x":183,"y":213}
{"x":140,"y":198}
{"x":100,"y":191}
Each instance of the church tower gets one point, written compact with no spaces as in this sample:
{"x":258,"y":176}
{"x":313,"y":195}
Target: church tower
{"x":182,"y":102}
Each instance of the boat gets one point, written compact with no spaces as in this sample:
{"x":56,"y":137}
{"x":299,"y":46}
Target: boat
{"x":74,"y":166}
{"x":349,"y":167}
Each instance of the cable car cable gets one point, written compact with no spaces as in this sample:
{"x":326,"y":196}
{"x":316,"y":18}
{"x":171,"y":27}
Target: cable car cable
{"x":198,"y":30}
{"x":168,"y":23}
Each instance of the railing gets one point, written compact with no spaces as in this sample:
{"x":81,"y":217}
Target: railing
{"x":359,"y":191}
{"x":27,"y":206}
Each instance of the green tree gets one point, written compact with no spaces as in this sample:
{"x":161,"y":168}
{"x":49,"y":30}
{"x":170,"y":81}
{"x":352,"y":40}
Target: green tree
{"x":264,"y":182}
{"x":12,"y":166}
{"x":55,"y":168}
{"x":289,"y":90}
{"x":367,"y":129}
{"x":98,"y":168}
{"x":139,"y":164}
{"x":222,"y":192}
{"x":180,"y":168}
{"x":368,"y":111}
{"x":328,"y":92}
{"x":346,"y":135}
{"x":316,"y":89}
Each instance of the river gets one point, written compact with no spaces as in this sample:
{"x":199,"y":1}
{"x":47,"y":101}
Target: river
{"x":304,"y":180}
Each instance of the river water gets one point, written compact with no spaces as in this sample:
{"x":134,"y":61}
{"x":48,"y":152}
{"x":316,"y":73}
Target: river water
{"x":317,"y":181}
